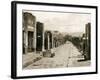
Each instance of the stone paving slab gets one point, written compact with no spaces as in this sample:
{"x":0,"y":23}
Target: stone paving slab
{"x":30,"y":58}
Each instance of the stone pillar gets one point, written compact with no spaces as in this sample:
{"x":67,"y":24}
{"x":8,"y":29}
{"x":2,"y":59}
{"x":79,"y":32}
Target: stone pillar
{"x":34,"y":37}
{"x":52,"y":41}
{"x":48,"y":42}
{"x":43,"y":40}
{"x":26,"y":41}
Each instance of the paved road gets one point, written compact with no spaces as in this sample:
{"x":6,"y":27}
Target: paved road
{"x":65,"y":56}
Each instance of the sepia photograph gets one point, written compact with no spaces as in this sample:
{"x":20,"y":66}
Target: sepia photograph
{"x":56,"y":39}
{"x":53,"y":39}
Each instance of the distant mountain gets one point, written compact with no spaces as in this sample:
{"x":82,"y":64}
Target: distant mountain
{"x":76,"y":34}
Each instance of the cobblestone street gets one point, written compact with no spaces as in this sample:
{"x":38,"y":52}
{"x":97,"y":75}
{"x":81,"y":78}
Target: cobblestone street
{"x":65,"y":56}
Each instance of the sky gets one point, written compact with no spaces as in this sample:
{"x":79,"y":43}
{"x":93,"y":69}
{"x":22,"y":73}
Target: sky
{"x":62,"y":22}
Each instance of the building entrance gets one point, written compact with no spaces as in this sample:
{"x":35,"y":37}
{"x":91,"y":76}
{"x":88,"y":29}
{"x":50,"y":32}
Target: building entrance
{"x":30,"y":41}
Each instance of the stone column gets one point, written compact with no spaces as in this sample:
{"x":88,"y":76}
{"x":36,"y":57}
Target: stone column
{"x":43,"y":40}
{"x":26,"y":41}
{"x":48,"y":42}
{"x":52,"y":41}
{"x":34,"y":37}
